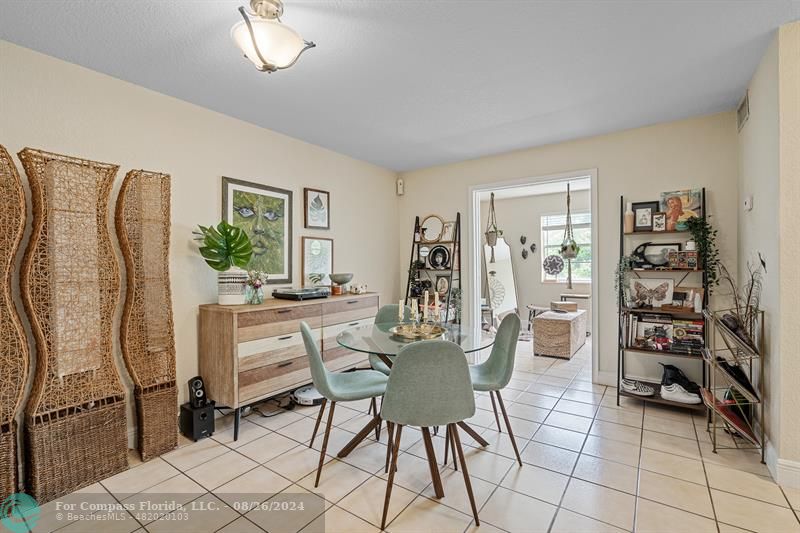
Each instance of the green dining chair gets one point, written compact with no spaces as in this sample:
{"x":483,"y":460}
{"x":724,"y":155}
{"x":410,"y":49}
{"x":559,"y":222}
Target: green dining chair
{"x":386,"y":315}
{"x":494,"y":374}
{"x":337,"y":387}
{"x":429,"y":386}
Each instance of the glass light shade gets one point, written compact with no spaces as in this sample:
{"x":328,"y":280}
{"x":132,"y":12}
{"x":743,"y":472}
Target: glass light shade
{"x":279,"y":44}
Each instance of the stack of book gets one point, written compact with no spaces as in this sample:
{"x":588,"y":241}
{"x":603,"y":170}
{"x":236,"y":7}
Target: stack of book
{"x":687,"y":336}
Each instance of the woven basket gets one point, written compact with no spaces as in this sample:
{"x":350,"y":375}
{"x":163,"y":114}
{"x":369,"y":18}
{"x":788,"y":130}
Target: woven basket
{"x":157,"y":411}
{"x":74,"y":451}
{"x":70,"y":287}
{"x":8,"y":460}
{"x":146,"y":330}
{"x":13,"y":344}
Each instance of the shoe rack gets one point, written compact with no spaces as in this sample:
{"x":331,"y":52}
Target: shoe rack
{"x":735,"y":400}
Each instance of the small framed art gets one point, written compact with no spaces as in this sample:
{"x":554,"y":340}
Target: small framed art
{"x":317,"y":212}
{"x":317,"y":261}
{"x":643,"y":215}
{"x":659,"y":222}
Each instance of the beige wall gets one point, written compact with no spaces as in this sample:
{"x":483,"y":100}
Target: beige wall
{"x":522,"y":216}
{"x":769,"y":170}
{"x":60,"y":107}
{"x":638,"y":164}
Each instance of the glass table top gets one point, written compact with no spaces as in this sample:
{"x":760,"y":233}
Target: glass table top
{"x":376,"y":338}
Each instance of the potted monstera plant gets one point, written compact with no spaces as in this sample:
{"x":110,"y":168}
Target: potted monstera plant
{"x":227,"y":250}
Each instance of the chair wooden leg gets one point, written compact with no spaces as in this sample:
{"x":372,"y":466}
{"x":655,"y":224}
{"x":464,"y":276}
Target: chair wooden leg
{"x":453,"y":447}
{"x":325,"y":443}
{"x":431,"y":454}
{"x":319,"y":419}
{"x":446,"y":443}
{"x":378,"y":430}
{"x":372,"y":409}
{"x":496,"y":416}
{"x":467,"y":482}
{"x":390,"y":481}
{"x":390,"y":431}
{"x":508,"y":426}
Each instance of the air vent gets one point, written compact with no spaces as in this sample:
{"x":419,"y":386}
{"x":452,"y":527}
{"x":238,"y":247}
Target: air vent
{"x":743,"y":111}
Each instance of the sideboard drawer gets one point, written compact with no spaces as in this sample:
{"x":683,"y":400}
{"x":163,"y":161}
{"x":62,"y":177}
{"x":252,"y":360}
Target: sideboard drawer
{"x":262,"y":352}
{"x":276,"y":376}
{"x":329,"y":334}
{"x":350,"y":310}
{"x":274,"y":322}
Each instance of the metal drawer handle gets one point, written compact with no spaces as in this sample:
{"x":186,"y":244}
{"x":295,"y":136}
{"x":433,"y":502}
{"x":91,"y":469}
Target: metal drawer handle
{"x":281,"y":311}
{"x":284,"y":338}
{"x":353,"y":302}
{"x":353,"y":324}
{"x":287,"y":363}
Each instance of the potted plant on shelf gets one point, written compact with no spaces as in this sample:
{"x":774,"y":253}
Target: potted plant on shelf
{"x":227,"y":250}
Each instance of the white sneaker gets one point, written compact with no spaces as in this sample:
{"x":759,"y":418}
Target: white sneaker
{"x":637,"y":387}
{"x":676,"y":393}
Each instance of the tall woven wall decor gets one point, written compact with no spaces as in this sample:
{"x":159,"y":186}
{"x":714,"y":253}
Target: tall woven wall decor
{"x":147,"y":333}
{"x":13,"y":344}
{"x":75,"y":416}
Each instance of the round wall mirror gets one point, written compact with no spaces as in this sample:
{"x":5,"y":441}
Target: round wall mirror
{"x":431,"y":228}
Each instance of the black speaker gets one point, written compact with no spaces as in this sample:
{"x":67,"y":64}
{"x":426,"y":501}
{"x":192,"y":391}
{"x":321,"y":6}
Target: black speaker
{"x":197,"y":392}
{"x":197,"y":422}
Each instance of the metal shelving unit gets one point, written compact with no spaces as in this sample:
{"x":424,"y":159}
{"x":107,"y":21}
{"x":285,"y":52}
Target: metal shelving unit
{"x":735,"y":414}
{"x":626,"y":312}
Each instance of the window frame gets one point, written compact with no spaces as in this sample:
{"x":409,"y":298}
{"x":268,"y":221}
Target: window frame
{"x":561,"y":227}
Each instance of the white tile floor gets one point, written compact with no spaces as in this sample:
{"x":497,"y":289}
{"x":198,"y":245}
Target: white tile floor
{"x":589,"y":465}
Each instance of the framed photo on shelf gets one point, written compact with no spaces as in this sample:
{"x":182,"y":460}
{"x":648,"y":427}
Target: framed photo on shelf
{"x":442,"y":284}
{"x":643,"y":215}
{"x":680,"y":206}
{"x":652,"y":292}
{"x":317,"y":209}
{"x":265,"y":214}
{"x":659,"y":222}
{"x":317,"y":261}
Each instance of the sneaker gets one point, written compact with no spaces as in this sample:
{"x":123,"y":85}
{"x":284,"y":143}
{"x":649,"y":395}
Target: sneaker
{"x":637,"y":387}
{"x":673,"y":374}
{"x":676,"y":393}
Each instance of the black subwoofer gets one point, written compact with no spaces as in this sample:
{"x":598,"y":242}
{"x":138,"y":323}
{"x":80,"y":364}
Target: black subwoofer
{"x":197,"y":422}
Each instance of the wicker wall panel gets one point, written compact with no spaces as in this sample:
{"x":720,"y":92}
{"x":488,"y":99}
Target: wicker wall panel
{"x":147,"y":331}
{"x":13,"y":344}
{"x":70,"y":286}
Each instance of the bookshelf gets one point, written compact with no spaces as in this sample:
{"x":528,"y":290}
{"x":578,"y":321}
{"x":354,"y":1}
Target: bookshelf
{"x":693,"y":325}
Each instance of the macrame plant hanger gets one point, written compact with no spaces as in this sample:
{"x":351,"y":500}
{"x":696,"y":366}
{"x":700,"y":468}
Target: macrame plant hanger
{"x":569,"y":249}
{"x":491,"y":227}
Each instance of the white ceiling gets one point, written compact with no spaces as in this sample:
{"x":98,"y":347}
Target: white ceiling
{"x":407,"y":84}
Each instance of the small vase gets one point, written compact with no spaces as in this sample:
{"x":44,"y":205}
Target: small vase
{"x":629,"y":218}
{"x":253,"y":295}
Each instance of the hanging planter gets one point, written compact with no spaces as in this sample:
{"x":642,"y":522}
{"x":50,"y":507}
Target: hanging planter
{"x":569,"y":248}
{"x":492,"y":233}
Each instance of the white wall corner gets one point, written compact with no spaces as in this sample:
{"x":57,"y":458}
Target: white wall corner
{"x":606,"y":378}
{"x":785,"y":472}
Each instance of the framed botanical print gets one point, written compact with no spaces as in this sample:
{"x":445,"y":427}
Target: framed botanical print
{"x":265,"y":214}
{"x":317,"y":206}
{"x":659,"y":222}
{"x":317,"y":261}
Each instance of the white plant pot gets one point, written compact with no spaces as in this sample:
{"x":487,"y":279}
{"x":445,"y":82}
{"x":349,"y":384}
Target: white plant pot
{"x":231,"y":287}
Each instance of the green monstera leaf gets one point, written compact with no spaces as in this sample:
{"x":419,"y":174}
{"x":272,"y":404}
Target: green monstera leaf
{"x":224,"y":246}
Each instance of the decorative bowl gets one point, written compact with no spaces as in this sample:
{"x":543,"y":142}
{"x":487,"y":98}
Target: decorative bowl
{"x":421,"y":331}
{"x":342,"y":278}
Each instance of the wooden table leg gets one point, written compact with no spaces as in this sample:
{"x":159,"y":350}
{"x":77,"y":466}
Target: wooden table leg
{"x":472,"y":433}
{"x":355,"y":441}
{"x":431,"y":454}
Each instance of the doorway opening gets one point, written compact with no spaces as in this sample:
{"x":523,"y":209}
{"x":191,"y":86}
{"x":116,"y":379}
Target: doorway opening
{"x":521,"y":268}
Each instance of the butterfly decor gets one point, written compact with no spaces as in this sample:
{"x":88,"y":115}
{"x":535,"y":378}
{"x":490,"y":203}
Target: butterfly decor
{"x":652,"y":292}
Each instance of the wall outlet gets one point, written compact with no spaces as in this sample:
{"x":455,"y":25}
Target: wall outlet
{"x":401,"y":187}
{"x":748,"y":202}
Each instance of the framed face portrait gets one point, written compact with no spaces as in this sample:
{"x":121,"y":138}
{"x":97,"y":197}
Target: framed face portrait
{"x":317,"y":261}
{"x":317,"y":206}
{"x":680,"y":206}
{"x":643,"y":215}
{"x":265,"y":214}
{"x":442,"y":285}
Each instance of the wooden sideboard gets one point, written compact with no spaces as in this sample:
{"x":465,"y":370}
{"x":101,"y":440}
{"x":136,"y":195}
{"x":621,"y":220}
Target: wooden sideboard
{"x":249,"y":353}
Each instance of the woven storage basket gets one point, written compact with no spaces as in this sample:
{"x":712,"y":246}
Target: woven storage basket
{"x":559,"y":334}
{"x":147,"y":331}
{"x":75,"y":414}
{"x":8,"y":460}
{"x":13,"y":344}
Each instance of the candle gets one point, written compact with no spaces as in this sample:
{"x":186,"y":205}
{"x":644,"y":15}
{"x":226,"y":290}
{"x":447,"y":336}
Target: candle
{"x":414,"y":309}
{"x":436,"y":305}
{"x":425,"y":306}
{"x":400,"y":311}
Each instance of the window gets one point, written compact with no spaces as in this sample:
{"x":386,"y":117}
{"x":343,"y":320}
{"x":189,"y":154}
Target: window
{"x":552,"y":236}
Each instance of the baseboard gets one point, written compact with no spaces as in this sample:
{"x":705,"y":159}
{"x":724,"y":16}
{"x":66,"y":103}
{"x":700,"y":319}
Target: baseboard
{"x":606,"y":378}
{"x":785,"y":472}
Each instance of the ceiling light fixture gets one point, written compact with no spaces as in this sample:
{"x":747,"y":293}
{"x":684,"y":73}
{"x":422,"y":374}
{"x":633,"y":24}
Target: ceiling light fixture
{"x":265,"y":40}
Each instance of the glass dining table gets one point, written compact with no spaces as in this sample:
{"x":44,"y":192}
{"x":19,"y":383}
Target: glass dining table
{"x":378,"y":339}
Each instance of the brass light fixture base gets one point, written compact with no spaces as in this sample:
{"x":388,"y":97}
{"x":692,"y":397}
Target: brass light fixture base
{"x":268,"y":9}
